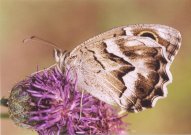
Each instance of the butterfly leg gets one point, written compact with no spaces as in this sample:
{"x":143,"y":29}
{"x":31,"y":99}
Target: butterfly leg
{"x":81,"y":103}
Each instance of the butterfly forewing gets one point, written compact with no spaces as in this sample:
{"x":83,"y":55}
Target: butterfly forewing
{"x":126,"y":66}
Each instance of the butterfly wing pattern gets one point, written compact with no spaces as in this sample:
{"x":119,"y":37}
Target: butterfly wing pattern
{"x":126,"y":66}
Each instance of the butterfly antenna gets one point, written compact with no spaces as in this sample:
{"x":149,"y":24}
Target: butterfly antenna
{"x":40,"y":40}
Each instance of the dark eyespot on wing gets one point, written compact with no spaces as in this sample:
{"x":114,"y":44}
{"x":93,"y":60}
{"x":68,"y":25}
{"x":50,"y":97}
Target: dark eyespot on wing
{"x":147,"y":34}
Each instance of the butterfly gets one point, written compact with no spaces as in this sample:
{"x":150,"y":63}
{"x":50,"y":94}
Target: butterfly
{"x":127,"y":66}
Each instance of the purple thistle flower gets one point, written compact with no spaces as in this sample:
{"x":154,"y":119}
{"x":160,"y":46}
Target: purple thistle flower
{"x":50,"y":103}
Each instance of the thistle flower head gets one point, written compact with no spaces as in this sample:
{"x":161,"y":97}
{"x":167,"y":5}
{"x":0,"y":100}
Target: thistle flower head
{"x":50,"y":103}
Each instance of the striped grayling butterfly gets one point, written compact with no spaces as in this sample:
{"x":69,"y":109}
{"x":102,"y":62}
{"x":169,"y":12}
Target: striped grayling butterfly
{"x":127,"y":66}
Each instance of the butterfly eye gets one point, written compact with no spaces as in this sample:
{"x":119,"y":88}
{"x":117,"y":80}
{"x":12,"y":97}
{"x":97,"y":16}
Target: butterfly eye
{"x":148,"y":34}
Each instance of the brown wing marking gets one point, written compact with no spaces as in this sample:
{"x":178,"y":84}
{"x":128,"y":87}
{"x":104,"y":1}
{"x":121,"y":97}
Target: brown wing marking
{"x":147,"y":86}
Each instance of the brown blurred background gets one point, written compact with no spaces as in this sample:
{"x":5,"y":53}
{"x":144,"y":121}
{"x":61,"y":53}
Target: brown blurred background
{"x":68,"y":23}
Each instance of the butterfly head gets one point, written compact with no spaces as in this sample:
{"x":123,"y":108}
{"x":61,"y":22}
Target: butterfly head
{"x":166,"y":36}
{"x":60,"y":57}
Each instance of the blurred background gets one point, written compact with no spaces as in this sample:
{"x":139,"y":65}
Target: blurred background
{"x":68,"y":23}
